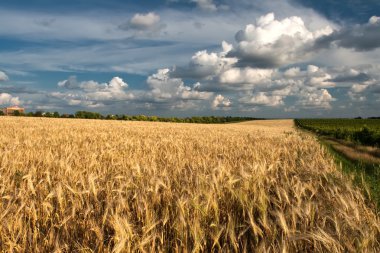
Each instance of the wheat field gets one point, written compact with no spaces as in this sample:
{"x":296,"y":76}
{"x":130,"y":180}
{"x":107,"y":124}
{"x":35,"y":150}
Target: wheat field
{"x":70,"y":185}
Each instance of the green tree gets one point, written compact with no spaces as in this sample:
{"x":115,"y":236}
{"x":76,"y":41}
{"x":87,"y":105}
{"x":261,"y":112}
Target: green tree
{"x":48,"y":114}
{"x":38,"y":114}
{"x":88,"y":115}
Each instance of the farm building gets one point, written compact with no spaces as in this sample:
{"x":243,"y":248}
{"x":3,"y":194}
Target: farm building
{"x":9,"y":111}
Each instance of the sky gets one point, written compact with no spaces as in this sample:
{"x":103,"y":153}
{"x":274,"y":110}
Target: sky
{"x":273,"y":59}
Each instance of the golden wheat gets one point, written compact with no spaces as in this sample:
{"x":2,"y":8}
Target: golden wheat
{"x":112,"y":186}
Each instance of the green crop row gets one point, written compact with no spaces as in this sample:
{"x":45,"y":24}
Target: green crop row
{"x":362,"y":131}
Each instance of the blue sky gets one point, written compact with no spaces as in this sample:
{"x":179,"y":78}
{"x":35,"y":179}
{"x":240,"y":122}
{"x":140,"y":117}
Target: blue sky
{"x":276,"y":58}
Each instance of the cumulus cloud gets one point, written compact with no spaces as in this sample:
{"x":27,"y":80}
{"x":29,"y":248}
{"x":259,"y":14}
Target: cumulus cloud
{"x":143,"y":22}
{"x":220,"y":102}
{"x":262,"y":85}
{"x":359,"y":37}
{"x":163,"y":87}
{"x":70,"y":83}
{"x":8,"y":99}
{"x":361,"y":83}
{"x":116,"y":85}
{"x":113,"y":90}
{"x":205,"y":65}
{"x":184,"y":105}
{"x":356,"y":96}
{"x":209,"y":5}
{"x":358,"y":88}
{"x":3,"y":77}
{"x":362,"y":90}
{"x":76,"y":99}
{"x":265,"y":67}
{"x":246,"y":76}
{"x":306,"y":86}
{"x":312,"y":76}
{"x":315,"y":98}
{"x":92,"y":93}
{"x":273,"y":43}
{"x":262,"y":99}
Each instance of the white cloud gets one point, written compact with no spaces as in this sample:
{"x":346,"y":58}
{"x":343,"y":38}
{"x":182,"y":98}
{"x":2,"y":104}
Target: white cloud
{"x":8,"y":99}
{"x":271,"y":85}
{"x":356,"y":97}
{"x":292,"y":72}
{"x":246,"y":76}
{"x":91,"y":93}
{"x":262,"y":99}
{"x":204,"y":65}
{"x":116,"y":85}
{"x":273,"y":43}
{"x":140,"y":21}
{"x":265,"y":66}
{"x":374,"y":20}
{"x":3,"y":77}
{"x":360,"y":91}
{"x":220,"y":102}
{"x":76,"y":99}
{"x":358,"y":88}
{"x":315,"y":98}
{"x":70,"y":83}
{"x":291,"y":109}
{"x":169,"y":92}
{"x":265,"y":86}
{"x":163,"y":87}
{"x":117,"y":50}
{"x":113,"y":90}
{"x":185,"y":105}
{"x":209,"y":5}
{"x":145,"y":21}
{"x":313,"y":76}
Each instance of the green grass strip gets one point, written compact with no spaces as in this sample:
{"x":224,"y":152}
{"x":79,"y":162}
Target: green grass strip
{"x":364,"y":175}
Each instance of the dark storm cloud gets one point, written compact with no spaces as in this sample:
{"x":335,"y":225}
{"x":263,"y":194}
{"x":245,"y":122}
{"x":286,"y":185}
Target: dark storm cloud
{"x":348,"y":10}
{"x":360,"y":37}
{"x":194,"y":71}
{"x":255,"y":61}
{"x":361,"y":77}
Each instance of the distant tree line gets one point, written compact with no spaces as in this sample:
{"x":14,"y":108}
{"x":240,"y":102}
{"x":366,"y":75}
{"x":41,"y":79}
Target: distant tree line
{"x":362,"y":131}
{"x":96,"y":115}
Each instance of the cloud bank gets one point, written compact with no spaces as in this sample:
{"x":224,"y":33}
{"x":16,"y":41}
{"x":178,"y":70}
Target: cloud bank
{"x":274,"y":63}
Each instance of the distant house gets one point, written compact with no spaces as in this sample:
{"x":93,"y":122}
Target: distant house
{"x":10,"y":111}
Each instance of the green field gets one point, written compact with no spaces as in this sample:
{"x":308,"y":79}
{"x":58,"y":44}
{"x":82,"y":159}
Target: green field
{"x":362,"y":131}
{"x":365,"y":173}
